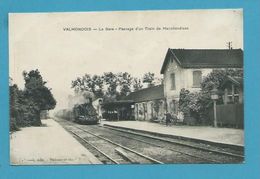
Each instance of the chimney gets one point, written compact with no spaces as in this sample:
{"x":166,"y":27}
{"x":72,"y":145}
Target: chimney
{"x":229,"y":44}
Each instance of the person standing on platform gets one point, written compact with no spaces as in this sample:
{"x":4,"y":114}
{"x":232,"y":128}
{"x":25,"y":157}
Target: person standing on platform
{"x":168,"y":118}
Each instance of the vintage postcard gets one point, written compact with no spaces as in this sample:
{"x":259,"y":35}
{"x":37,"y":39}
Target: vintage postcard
{"x":126,"y":87}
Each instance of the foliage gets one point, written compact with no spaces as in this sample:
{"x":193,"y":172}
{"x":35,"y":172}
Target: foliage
{"x":36,"y":91}
{"x":197,"y":104}
{"x":26,"y":105}
{"x":216,"y":77}
{"x":14,"y":106}
{"x":149,"y":79}
{"x":89,"y":83}
{"x":125,"y":81}
{"x":184,"y":101}
{"x":137,"y":84}
{"x":111,"y":86}
{"x":111,"y":80}
{"x":97,"y":90}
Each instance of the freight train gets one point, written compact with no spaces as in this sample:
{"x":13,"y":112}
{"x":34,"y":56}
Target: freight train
{"x":85,"y":113}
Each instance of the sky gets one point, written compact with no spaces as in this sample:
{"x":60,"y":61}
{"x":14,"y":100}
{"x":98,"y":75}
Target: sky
{"x":50,"y":43}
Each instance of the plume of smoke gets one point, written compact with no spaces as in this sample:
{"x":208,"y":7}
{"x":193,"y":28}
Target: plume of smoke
{"x":80,"y":98}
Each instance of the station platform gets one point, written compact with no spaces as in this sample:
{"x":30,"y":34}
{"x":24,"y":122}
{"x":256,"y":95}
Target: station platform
{"x":48,"y":144}
{"x":224,"y":136}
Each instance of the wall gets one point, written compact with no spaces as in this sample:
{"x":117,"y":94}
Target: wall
{"x":183,"y":79}
{"x":145,"y":111}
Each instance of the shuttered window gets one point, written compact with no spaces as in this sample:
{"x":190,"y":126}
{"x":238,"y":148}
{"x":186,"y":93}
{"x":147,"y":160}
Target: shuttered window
{"x":197,"y":77}
{"x":173,"y":87}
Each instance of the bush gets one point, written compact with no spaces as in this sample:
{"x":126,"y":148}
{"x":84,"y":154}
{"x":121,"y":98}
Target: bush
{"x":26,"y":105}
{"x":13,"y":125}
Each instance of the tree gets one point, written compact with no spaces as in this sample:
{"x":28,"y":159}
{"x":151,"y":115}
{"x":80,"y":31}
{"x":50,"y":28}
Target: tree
{"x":14,"y":106}
{"x":33,"y":79}
{"x":78,"y":85}
{"x":149,"y":79}
{"x":137,"y":84}
{"x":26,"y":105}
{"x":89,"y":83}
{"x":158,"y":81}
{"x":37,"y":96}
{"x":194,"y":104}
{"x":125,"y":82}
{"x":112,"y":82}
{"x":110,"y":86}
{"x":216,"y":77}
{"x":20,"y":109}
{"x":98,"y":89}
{"x":184,"y":101}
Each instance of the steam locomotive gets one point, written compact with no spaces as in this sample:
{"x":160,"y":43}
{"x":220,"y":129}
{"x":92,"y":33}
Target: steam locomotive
{"x":85,"y":113}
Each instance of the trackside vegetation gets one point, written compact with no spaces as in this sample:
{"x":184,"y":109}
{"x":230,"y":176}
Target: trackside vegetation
{"x":26,"y":104}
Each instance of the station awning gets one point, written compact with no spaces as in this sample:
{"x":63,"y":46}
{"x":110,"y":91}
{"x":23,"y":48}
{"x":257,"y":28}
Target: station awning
{"x":119,"y":103}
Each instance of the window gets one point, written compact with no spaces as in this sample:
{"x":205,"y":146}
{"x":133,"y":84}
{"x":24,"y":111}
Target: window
{"x":173,"y":87}
{"x":233,"y":95}
{"x":197,"y":77}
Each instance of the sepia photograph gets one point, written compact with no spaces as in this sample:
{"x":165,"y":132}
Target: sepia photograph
{"x":126,"y":87}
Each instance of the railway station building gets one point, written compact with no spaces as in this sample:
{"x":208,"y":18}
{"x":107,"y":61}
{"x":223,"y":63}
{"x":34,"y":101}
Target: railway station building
{"x":145,"y":105}
{"x":185,"y":68}
{"x":149,"y":103}
{"x":181,"y":68}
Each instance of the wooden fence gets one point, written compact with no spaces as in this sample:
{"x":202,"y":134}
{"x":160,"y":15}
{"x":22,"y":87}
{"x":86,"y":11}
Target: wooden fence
{"x":229,"y":115}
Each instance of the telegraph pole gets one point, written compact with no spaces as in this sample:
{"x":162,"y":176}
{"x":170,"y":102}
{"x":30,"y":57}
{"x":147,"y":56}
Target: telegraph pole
{"x":229,"y":44}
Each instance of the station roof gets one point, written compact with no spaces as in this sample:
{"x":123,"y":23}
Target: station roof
{"x":205,"y":58}
{"x":238,"y":81}
{"x":118,"y":103}
{"x":146,"y":94}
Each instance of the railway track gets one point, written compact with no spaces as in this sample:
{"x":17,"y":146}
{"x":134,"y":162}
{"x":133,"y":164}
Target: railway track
{"x":207,"y":154}
{"x":178,"y":151}
{"x":120,"y":154}
{"x":131,"y":146}
{"x":185,"y":144}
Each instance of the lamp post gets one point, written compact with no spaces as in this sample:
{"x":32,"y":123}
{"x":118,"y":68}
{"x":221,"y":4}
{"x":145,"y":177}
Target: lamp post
{"x":214,"y":97}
